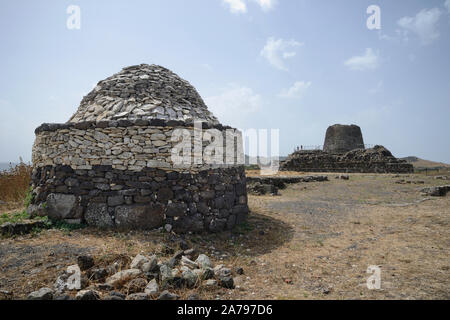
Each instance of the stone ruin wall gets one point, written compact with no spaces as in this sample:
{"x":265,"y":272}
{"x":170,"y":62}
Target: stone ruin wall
{"x":119,"y":174}
{"x":343,"y":138}
{"x":320,"y":161}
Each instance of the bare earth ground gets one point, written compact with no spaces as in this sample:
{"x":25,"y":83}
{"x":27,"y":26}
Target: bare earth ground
{"x":315,"y":241}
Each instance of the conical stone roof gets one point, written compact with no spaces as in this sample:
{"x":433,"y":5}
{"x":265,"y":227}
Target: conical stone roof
{"x":143,"y":92}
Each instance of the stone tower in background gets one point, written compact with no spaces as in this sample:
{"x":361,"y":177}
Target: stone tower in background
{"x":343,"y":138}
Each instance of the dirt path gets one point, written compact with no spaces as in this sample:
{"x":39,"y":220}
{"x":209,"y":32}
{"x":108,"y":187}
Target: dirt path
{"x":315,"y":241}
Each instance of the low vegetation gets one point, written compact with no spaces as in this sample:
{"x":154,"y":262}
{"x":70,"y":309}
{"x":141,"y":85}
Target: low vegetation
{"x":14,"y":184}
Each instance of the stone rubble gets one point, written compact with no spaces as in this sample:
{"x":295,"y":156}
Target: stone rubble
{"x":135,"y":284}
{"x":375,"y":160}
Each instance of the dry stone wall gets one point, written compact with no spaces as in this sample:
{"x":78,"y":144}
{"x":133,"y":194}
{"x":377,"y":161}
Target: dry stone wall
{"x":127,"y":146}
{"x":376,"y":160}
{"x":121,"y":175}
{"x":143,"y":92}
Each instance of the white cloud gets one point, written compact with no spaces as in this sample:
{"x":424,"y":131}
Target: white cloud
{"x":266,"y":5}
{"x":368,"y":61}
{"x":447,"y":5}
{"x":235,"y":102}
{"x":278,"y":50}
{"x":423,"y":25}
{"x":297,"y":91}
{"x":236,"y":6}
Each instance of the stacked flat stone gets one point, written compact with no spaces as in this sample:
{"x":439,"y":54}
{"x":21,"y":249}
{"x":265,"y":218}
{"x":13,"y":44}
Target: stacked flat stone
{"x":343,"y":138}
{"x":111,"y":165}
{"x":375,"y":160}
{"x":143,"y":92}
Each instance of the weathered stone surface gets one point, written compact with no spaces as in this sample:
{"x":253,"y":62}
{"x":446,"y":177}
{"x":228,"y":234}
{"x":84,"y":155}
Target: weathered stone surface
{"x":203,"y":261}
{"x":151,"y":265}
{"x":341,"y":138}
{"x":87,"y":295}
{"x":166,"y":295}
{"x":138,"y":296}
{"x":121,"y":277}
{"x":375,"y":160}
{"x":9,"y":228}
{"x":97,"y":215}
{"x":62,"y":206}
{"x":137,"y":285}
{"x":144,"y":92}
{"x":85,"y":262}
{"x":41,"y":294}
{"x":143,"y":217}
{"x":439,"y":191}
{"x":226,"y":282}
{"x":152,"y":288}
{"x":185,"y":261}
{"x":190,"y":278}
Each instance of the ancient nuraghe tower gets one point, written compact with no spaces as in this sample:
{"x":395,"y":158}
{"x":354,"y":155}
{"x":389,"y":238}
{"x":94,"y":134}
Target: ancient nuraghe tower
{"x":344,"y":151}
{"x":112,"y":164}
{"x":341,"y":138}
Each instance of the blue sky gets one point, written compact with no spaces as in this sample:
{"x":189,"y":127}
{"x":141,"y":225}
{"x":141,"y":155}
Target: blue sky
{"x":295,"y":65}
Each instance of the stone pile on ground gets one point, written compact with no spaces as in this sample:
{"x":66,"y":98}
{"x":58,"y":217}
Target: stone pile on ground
{"x":23,"y":227}
{"x":375,"y":160}
{"x":271,"y":185}
{"x":402,"y":181}
{"x":439,"y":191}
{"x":146,"y":277}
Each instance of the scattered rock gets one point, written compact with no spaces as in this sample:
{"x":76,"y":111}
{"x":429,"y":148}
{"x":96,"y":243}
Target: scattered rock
{"x":152,"y":288}
{"x":185,"y":261}
{"x":138,"y":296}
{"x":190,"y":278}
{"x":203,"y":261}
{"x":137,"y":285}
{"x":439,"y":191}
{"x":24,"y":227}
{"x":150,"y":265}
{"x":98,"y":274}
{"x":87,"y":295}
{"x":138,"y":261}
{"x":239,"y":271}
{"x":193,"y":296}
{"x":166,"y":295}
{"x":226,"y":282}
{"x":41,"y":294}
{"x":210,"y":283}
{"x":85,"y":262}
{"x":122,"y":277}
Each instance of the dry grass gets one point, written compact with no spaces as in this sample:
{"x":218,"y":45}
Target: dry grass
{"x":315,"y":241}
{"x":14,"y":185}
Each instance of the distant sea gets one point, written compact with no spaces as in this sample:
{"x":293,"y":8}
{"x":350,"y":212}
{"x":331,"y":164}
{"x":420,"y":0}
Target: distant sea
{"x":5,"y":165}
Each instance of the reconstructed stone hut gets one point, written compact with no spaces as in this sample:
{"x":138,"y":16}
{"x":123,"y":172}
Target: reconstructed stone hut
{"x":115,"y":165}
{"x":344,"y":151}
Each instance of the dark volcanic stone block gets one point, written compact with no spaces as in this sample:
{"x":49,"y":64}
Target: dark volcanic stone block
{"x":142,"y":217}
